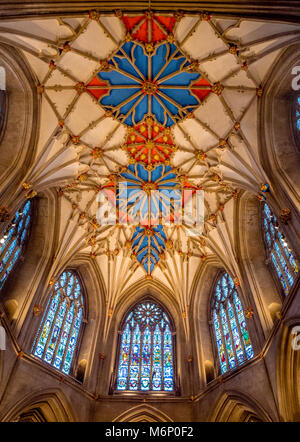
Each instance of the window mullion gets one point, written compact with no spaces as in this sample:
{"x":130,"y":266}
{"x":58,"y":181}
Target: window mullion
{"x":59,"y":336}
{"x":44,"y":322}
{"x":162,"y":358}
{"x":151,"y":357}
{"x":223,"y":341}
{"x":280,"y":267}
{"x":64,"y":318}
{"x":10,"y":241}
{"x":150,"y":321}
{"x":129,"y":362}
{"x":230,"y":333}
{"x":69,"y":335}
{"x":52,"y":326}
{"x":287,"y":261}
{"x":140,"y":357}
{"x":239,"y":328}
{"x":12,"y":254}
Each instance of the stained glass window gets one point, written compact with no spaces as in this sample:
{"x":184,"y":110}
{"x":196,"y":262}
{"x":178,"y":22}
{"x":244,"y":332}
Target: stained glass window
{"x":230,"y":329}
{"x":280,"y":254}
{"x":298,"y":113}
{"x":58,"y":333}
{"x":13,"y":241}
{"x":146,"y":359}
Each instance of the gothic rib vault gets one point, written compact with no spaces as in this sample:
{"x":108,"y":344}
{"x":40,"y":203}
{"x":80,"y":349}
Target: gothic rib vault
{"x":153,"y":100}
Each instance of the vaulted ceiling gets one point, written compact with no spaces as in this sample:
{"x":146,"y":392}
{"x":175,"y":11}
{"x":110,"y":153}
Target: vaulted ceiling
{"x":159,"y":101}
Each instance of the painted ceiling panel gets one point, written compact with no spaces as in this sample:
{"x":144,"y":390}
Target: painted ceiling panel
{"x":89,"y":41}
{"x":155,"y":102}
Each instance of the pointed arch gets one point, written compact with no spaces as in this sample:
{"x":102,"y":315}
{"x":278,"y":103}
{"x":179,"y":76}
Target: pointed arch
{"x":278,"y":145}
{"x":143,"y":413}
{"x":14,"y":240}
{"x":60,"y":329}
{"x":47,"y":406}
{"x":278,"y":250}
{"x":233,"y":346}
{"x":288,"y":370}
{"x":236,"y":407}
{"x":18,"y":142}
{"x":146,"y":349}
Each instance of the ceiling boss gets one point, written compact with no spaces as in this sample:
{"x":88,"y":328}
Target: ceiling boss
{"x":153,"y":154}
{"x":148,"y":84}
{"x":162,"y":83}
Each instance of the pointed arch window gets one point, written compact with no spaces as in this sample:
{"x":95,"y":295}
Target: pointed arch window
{"x":13,"y":241}
{"x":279,"y":252}
{"x":58,"y":334}
{"x":146,"y":356}
{"x":231,"y":334}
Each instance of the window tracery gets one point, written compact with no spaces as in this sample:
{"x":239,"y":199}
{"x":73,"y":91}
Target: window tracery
{"x":146,"y":357}
{"x":58,"y":333}
{"x":279,"y":252}
{"x":231,"y":333}
{"x":13,"y":241}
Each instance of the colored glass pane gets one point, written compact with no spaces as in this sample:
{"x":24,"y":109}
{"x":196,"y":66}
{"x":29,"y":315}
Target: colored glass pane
{"x":220,"y":346}
{"x":243,"y":326}
{"x":228,"y":342}
{"x":13,"y":241}
{"x":146,"y":360}
{"x":298,"y":113}
{"x":57,"y":336}
{"x":230,"y":329}
{"x":281,"y":255}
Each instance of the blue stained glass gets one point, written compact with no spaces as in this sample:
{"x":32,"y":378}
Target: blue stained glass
{"x":146,"y":361}
{"x":135,"y":359}
{"x":13,"y":241}
{"x":221,"y":350}
{"x":267,"y":211}
{"x":72,"y":343}
{"x":243,"y":326}
{"x":9,"y":252}
{"x":168,"y":360}
{"x":280,"y":275}
{"x":228,"y":342}
{"x":124,"y":359}
{"x":46,"y":326}
{"x":268,"y":238}
{"x":282,"y":257}
{"x":232,"y":338}
{"x":64,"y":337}
{"x":156,"y":367}
{"x":288,"y":252}
{"x":57,"y":336}
{"x":55,"y":332}
{"x":298,"y":114}
{"x":26,"y":208}
{"x":235,"y":334}
{"x":283,"y":263}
